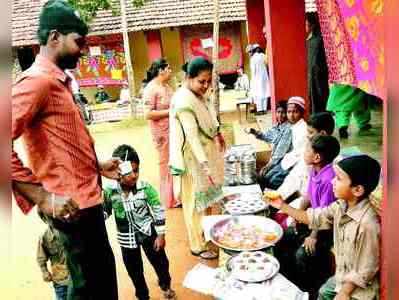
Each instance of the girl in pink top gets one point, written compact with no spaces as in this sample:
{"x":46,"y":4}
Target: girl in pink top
{"x":157,"y":95}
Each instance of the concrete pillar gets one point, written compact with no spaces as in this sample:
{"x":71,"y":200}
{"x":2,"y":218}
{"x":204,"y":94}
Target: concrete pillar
{"x":255,"y":22}
{"x":286,"y":47}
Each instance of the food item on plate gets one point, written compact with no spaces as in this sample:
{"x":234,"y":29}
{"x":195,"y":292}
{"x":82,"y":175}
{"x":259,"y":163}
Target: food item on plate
{"x":253,"y":266}
{"x":240,"y":236}
{"x":270,"y":237}
{"x":272,"y":195}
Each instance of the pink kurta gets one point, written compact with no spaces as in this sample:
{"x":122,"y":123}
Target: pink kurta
{"x":158,"y":97}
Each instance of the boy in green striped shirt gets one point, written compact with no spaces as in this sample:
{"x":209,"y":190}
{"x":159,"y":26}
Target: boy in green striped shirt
{"x":140,"y":222}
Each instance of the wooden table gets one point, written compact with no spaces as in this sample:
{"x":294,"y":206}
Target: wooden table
{"x":248,"y":104}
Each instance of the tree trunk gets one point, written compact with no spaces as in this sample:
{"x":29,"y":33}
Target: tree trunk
{"x":215,"y":58}
{"x":128,"y":59}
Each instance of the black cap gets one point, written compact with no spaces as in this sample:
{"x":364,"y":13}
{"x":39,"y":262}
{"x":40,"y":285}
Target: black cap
{"x":61,"y":16}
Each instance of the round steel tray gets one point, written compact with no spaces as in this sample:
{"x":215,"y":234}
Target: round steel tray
{"x":267,"y":225}
{"x":245,"y":204}
{"x":253,"y":277}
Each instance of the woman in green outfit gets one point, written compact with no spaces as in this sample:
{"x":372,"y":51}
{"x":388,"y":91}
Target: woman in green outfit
{"x":345,"y":100}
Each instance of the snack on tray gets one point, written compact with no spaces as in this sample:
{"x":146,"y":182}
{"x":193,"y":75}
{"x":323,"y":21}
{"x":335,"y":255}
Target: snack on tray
{"x":272,"y":195}
{"x":238,"y":236}
{"x":253,"y":266}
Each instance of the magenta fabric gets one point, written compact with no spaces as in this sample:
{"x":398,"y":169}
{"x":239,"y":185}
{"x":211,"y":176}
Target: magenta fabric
{"x":353,"y":34}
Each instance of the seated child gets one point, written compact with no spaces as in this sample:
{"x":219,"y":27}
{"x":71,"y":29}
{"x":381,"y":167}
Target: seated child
{"x":279,"y":135}
{"x":304,"y":253}
{"x":140,"y":221}
{"x":297,"y":180}
{"x":273,"y":177}
{"x":356,"y":229}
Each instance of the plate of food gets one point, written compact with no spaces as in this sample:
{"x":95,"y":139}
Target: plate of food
{"x":246,"y":233}
{"x":245,"y":204}
{"x":254,"y":266}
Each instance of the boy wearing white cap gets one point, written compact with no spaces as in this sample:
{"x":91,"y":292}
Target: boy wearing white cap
{"x":274,"y":177}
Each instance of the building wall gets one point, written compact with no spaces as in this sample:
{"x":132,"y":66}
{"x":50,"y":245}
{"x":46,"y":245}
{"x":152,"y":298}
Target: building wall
{"x":256,"y":21}
{"x":154,"y":44}
{"x":171,"y":45}
{"x":286,"y":48}
{"x":172,"y":52}
{"x":139,"y":54}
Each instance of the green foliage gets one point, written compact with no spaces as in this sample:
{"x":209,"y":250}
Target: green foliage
{"x":89,"y":8}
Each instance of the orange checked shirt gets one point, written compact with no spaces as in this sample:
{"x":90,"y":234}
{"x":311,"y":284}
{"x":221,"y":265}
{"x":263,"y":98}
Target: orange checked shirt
{"x":59,"y":148}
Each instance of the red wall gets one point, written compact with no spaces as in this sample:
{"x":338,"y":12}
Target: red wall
{"x":285,"y":25}
{"x":390,"y":220}
{"x":154,"y":44}
{"x":256,"y":20}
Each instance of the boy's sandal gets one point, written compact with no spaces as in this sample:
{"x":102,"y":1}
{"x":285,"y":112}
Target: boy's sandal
{"x":209,"y":255}
{"x":178,"y":205}
{"x":196,"y":253}
{"x":169,"y":294}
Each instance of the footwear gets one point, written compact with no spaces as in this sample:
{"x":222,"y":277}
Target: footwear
{"x":196,"y":253}
{"x":209,"y":255}
{"x":343,"y":132}
{"x":178,"y":205}
{"x":169,"y":294}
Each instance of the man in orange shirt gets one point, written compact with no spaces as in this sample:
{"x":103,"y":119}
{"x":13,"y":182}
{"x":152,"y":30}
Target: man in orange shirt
{"x":64,"y":175}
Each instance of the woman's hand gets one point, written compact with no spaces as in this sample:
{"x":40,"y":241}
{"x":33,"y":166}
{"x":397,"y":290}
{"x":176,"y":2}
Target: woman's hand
{"x":220,"y":142}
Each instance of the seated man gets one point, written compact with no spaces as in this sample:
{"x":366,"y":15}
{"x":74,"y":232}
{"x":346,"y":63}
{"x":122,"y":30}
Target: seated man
{"x":101,"y":96}
{"x":242,"y":83}
{"x":124,"y":96}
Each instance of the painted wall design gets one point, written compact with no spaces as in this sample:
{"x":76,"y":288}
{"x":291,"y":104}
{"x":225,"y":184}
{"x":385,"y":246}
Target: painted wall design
{"x":230,"y":50}
{"x":106,"y":68}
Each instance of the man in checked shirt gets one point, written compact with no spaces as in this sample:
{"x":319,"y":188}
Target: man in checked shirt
{"x":64,"y":176}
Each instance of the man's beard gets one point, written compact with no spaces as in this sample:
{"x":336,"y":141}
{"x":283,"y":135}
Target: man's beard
{"x":68,"y":62}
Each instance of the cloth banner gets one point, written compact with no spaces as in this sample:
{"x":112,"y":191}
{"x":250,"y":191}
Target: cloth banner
{"x":105,"y":67}
{"x":353,"y":34}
